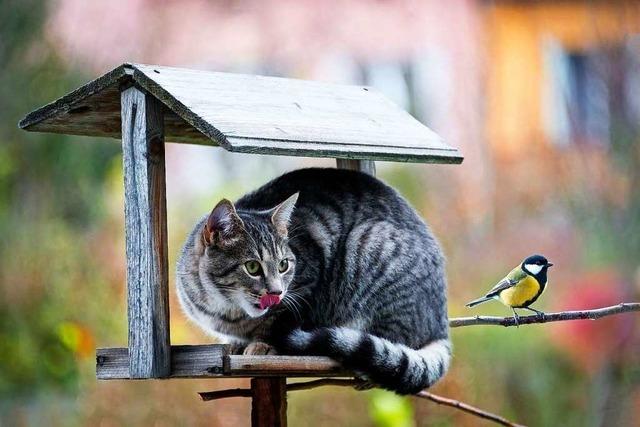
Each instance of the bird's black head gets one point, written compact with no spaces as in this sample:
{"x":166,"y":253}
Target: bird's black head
{"x":535,"y":264}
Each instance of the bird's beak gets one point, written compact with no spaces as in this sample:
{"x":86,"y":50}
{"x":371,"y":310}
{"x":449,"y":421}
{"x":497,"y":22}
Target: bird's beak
{"x":549,"y":264}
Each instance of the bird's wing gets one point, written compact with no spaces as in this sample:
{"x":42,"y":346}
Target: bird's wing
{"x":510,"y":280}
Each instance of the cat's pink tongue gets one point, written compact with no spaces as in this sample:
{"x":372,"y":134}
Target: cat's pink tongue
{"x":267,"y":301}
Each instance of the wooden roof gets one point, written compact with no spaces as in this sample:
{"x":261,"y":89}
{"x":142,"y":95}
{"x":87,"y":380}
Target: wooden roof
{"x":251,"y":114}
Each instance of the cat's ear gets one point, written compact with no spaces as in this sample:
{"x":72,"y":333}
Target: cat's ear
{"x":223,"y":225}
{"x":281,"y":214}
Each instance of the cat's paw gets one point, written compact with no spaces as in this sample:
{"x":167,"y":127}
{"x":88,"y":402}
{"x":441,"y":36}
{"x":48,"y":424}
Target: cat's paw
{"x":259,"y":348}
{"x":236,"y":347}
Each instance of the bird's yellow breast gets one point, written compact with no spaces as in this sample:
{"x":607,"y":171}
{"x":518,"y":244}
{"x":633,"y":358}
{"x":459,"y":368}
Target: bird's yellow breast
{"x":526,"y":290}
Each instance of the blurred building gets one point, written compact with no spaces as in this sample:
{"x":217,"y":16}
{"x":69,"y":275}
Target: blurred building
{"x":555,"y":68}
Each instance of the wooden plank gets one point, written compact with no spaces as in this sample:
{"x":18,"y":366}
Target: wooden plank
{"x":299,"y":366}
{"x":255,"y":114}
{"x":249,"y":106}
{"x":98,"y":114}
{"x":363,"y":152}
{"x":187,"y":361}
{"x":269,"y":402}
{"x":212,"y":361}
{"x":146,"y":235}
{"x":366,"y":166}
{"x":112,"y":363}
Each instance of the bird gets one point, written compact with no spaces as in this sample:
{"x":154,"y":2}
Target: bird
{"x":521,"y":287}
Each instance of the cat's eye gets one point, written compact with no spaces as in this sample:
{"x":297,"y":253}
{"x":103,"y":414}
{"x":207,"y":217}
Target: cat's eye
{"x":283,"y":266}
{"x":253,"y":268}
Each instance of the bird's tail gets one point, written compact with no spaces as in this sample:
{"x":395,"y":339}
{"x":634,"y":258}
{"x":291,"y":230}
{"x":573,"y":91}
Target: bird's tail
{"x":395,"y":367}
{"x":478,"y":301}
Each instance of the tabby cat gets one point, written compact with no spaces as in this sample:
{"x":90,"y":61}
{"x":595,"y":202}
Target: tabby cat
{"x":324,"y":262}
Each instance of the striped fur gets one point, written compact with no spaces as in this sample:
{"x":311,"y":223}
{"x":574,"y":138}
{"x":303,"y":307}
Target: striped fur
{"x":366,"y":284}
{"x":387,"y":364}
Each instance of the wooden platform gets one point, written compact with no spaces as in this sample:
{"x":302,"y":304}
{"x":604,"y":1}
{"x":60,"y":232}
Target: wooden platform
{"x":213,"y":361}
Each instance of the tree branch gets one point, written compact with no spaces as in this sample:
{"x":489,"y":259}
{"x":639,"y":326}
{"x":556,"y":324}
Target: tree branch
{"x":466,"y":408}
{"x":548,"y":317}
{"x":355,"y":383}
{"x":223,"y":394}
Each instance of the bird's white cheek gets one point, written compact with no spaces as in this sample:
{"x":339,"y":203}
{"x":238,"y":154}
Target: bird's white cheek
{"x":533,"y":268}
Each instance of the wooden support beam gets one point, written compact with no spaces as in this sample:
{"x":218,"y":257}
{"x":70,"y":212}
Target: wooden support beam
{"x":366,"y":166}
{"x":212,"y":361}
{"x":146,"y":234}
{"x":269,"y":402}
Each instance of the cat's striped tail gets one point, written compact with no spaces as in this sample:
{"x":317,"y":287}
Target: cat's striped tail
{"x":394,"y":367}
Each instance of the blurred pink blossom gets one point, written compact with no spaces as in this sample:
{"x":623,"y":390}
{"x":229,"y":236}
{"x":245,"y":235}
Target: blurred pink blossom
{"x":101,"y":34}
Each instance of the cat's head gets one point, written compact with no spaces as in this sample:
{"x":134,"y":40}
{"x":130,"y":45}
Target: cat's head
{"x":246,"y":256}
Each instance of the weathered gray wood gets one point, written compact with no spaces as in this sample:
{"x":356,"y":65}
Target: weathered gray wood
{"x":112,"y":363}
{"x":269,"y":402}
{"x":212,"y":361}
{"x":366,"y":166}
{"x":146,"y":235}
{"x":253,"y":114}
{"x":187,"y":361}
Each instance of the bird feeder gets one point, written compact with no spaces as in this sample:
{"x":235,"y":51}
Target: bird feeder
{"x":146,"y":106}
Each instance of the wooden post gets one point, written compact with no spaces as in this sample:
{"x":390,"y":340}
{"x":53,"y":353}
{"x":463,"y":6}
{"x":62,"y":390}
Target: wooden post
{"x":269,"y":402}
{"x":366,"y":166}
{"x":146,"y":234}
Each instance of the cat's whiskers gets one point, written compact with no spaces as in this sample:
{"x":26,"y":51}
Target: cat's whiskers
{"x":291,"y":305}
{"x":298,"y":298}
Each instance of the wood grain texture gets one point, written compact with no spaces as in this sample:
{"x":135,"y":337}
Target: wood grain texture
{"x":187,"y":361}
{"x":253,"y":114}
{"x":366,"y":166}
{"x":298,"y":366}
{"x":269,"y":402}
{"x":212,"y":361}
{"x":146,"y":235}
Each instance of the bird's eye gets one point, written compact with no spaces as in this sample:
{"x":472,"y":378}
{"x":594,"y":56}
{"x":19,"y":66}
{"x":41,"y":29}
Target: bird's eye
{"x":253,"y":267}
{"x":283,"y":266}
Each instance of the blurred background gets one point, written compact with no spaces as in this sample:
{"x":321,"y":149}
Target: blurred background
{"x":542,"y":97}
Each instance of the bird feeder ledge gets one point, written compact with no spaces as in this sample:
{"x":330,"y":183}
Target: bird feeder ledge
{"x":146,"y":106}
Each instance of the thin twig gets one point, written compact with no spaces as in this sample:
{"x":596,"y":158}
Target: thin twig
{"x":307,"y":385}
{"x":547,"y":317}
{"x":223,"y":394}
{"x":466,"y":408}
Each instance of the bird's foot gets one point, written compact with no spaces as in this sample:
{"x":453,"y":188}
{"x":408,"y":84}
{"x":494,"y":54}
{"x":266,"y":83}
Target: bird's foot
{"x":516,"y":318}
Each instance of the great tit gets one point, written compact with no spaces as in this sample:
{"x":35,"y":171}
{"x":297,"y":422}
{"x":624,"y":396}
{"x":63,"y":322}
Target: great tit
{"x":521,"y":287}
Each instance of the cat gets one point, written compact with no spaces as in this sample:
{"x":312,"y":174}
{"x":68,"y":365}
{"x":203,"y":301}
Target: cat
{"x":327,"y":262}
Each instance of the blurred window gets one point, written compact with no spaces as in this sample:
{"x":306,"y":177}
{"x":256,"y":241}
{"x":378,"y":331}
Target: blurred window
{"x":575,"y":97}
{"x":584,"y":92}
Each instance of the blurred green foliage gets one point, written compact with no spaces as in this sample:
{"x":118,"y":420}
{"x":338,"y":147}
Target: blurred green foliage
{"x":49,"y":287}
{"x":390,"y":410}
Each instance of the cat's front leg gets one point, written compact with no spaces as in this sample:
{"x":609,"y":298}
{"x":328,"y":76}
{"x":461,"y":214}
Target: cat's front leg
{"x":259,"y":348}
